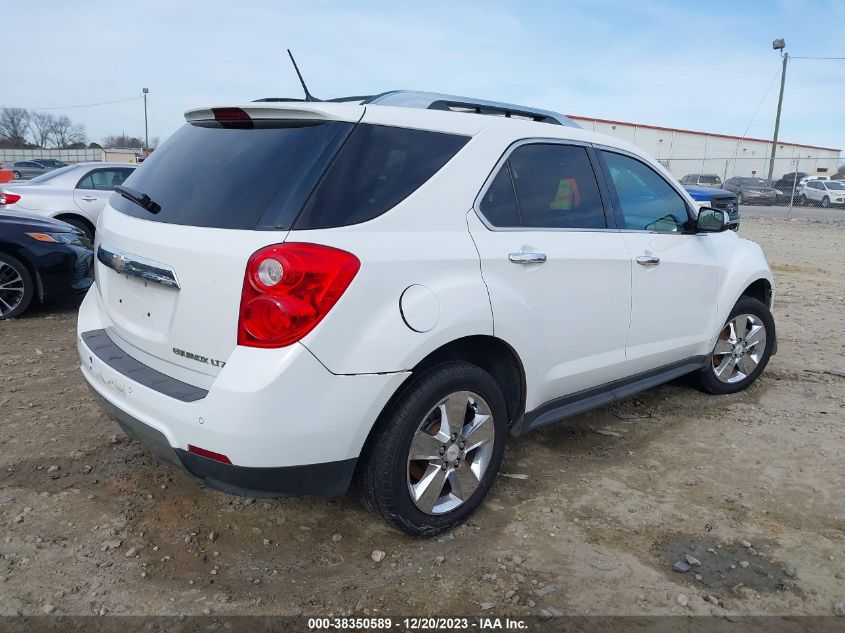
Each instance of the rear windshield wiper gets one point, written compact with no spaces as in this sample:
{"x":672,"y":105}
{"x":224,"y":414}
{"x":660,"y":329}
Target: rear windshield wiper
{"x":141,"y":199}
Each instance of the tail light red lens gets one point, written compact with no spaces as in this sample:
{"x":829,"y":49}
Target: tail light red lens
{"x":288,"y":289}
{"x":9,"y":198}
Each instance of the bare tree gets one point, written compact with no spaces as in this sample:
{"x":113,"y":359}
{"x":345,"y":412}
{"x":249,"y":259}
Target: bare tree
{"x":14,"y":124}
{"x":41,"y":127}
{"x":121,"y":140}
{"x":64,"y":132}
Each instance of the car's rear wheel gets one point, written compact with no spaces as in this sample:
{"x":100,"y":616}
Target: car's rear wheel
{"x":16,"y":287}
{"x":16,"y":175}
{"x":438,"y":450}
{"x":825,"y":202}
{"x":742,"y":350}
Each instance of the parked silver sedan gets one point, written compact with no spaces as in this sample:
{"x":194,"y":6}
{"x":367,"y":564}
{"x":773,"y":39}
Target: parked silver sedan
{"x":75,"y":194}
{"x":25,"y":169}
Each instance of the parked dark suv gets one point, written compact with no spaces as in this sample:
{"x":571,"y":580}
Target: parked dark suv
{"x":751,"y":190}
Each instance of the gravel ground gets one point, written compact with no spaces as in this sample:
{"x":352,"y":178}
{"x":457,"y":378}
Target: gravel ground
{"x":743,"y":494}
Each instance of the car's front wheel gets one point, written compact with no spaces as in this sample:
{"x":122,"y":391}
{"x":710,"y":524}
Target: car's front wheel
{"x":742,"y":349}
{"x":16,"y":175}
{"x":825,"y":202}
{"x":16,"y":287}
{"x":437,"y":451}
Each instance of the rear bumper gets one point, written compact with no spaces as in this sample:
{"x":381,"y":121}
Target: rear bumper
{"x":326,"y":479}
{"x":286,"y":423}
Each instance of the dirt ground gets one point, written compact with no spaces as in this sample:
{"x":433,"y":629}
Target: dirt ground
{"x":751,"y":486}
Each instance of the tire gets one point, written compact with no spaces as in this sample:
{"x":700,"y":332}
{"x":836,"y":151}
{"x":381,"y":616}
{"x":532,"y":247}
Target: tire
{"x":15,"y":299}
{"x":17,"y":175}
{"x":751,"y":362}
{"x":802,"y":200}
{"x":386,"y":473}
{"x":739,"y":198}
{"x":83,"y":226}
{"x":825,"y":202}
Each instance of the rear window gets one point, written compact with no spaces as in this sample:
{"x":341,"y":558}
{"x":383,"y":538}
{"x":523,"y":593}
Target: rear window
{"x":377,"y":168}
{"x":228,"y":178}
{"x":712,"y":180}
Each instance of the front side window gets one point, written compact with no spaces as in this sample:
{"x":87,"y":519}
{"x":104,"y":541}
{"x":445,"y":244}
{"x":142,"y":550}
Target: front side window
{"x":646,"y":200}
{"x":554,"y":187}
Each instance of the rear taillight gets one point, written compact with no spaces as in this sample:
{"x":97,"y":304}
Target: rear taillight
{"x":8,"y":198}
{"x":288,"y":289}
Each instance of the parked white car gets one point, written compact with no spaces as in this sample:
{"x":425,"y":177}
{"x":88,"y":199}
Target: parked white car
{"x":291,"y":297}
{"x":75,"y":194}
{"x":823,"y":193}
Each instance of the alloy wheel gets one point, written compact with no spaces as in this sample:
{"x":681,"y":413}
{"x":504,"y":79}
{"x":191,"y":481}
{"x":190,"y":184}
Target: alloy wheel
{"x":450,"y":452}
{"x":739,"y":349}
{"x":11,"y":289}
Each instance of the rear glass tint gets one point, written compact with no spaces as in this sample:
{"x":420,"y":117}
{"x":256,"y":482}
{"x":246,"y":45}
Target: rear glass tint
{"x":234,"y":178}
{"x":377,"y":168}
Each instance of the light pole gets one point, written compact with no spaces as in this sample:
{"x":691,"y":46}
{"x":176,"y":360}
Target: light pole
{"x":147,"y":131}
{"x":778,"y":45}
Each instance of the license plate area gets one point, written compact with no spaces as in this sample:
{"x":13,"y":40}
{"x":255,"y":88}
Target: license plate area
{"x":138,"y":306}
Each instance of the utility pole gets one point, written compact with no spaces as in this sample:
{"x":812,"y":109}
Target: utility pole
{"x":778,"y":45}
{"x":147,"y":130}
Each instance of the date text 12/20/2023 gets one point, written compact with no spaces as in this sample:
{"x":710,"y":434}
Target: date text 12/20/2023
{"x":418,"y":623}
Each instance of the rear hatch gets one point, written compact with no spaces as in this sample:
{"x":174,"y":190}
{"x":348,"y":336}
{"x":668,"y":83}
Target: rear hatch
{"x":170,"y":272}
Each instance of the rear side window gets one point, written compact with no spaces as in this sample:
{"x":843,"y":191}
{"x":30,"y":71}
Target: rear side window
{"x":499,"y":202}
{"x":104,"y":179}
{"x":555,"y":188}
{"x":228,"y":178}
{"x":377,"y":168}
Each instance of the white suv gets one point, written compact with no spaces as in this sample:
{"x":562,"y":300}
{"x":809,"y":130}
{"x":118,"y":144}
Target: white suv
{"x":822,"y":192}
{"x":292,"y":297}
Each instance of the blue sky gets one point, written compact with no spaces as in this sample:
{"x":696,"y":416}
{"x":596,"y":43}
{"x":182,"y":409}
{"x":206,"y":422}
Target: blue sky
{"x":703,"y":65}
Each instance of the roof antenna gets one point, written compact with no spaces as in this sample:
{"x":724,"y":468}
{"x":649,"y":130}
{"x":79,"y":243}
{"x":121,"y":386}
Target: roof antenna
{"x":308,"y":95}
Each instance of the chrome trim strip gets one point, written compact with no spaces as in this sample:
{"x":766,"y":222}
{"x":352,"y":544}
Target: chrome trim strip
{"x":136,"y":266}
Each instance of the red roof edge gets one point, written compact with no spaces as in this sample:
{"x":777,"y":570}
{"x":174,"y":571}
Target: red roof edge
{"x":674,"y":129}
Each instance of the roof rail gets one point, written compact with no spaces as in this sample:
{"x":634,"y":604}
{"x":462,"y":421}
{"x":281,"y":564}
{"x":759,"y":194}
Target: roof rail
{"x":451,"y":103}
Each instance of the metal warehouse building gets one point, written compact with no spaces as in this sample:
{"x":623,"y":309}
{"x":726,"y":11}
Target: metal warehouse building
{"x":688,"y":152}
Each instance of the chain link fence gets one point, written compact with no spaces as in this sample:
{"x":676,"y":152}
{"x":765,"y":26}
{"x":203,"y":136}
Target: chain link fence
{"x":748,"y":178}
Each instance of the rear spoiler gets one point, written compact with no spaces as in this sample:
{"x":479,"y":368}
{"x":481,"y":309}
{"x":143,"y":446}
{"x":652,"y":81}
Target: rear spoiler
{"x":300,"y":111}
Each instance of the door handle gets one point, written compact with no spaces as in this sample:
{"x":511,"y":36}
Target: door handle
{"x":527,"y":258}
{"x":648,"y":260}
{"x":88,"y":198}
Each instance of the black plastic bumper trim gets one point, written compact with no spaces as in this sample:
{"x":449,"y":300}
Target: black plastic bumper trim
{"x":98,"y":341}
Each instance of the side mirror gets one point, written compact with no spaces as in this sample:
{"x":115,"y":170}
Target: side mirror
{"x":711,"y":220}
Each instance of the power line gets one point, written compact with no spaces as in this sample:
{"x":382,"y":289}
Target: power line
{"x":829,"y":58}
{"x":87,"y":105}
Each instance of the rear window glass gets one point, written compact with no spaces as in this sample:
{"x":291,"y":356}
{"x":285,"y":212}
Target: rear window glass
{"x":377,"y":168}
{"x":234,"y":178}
